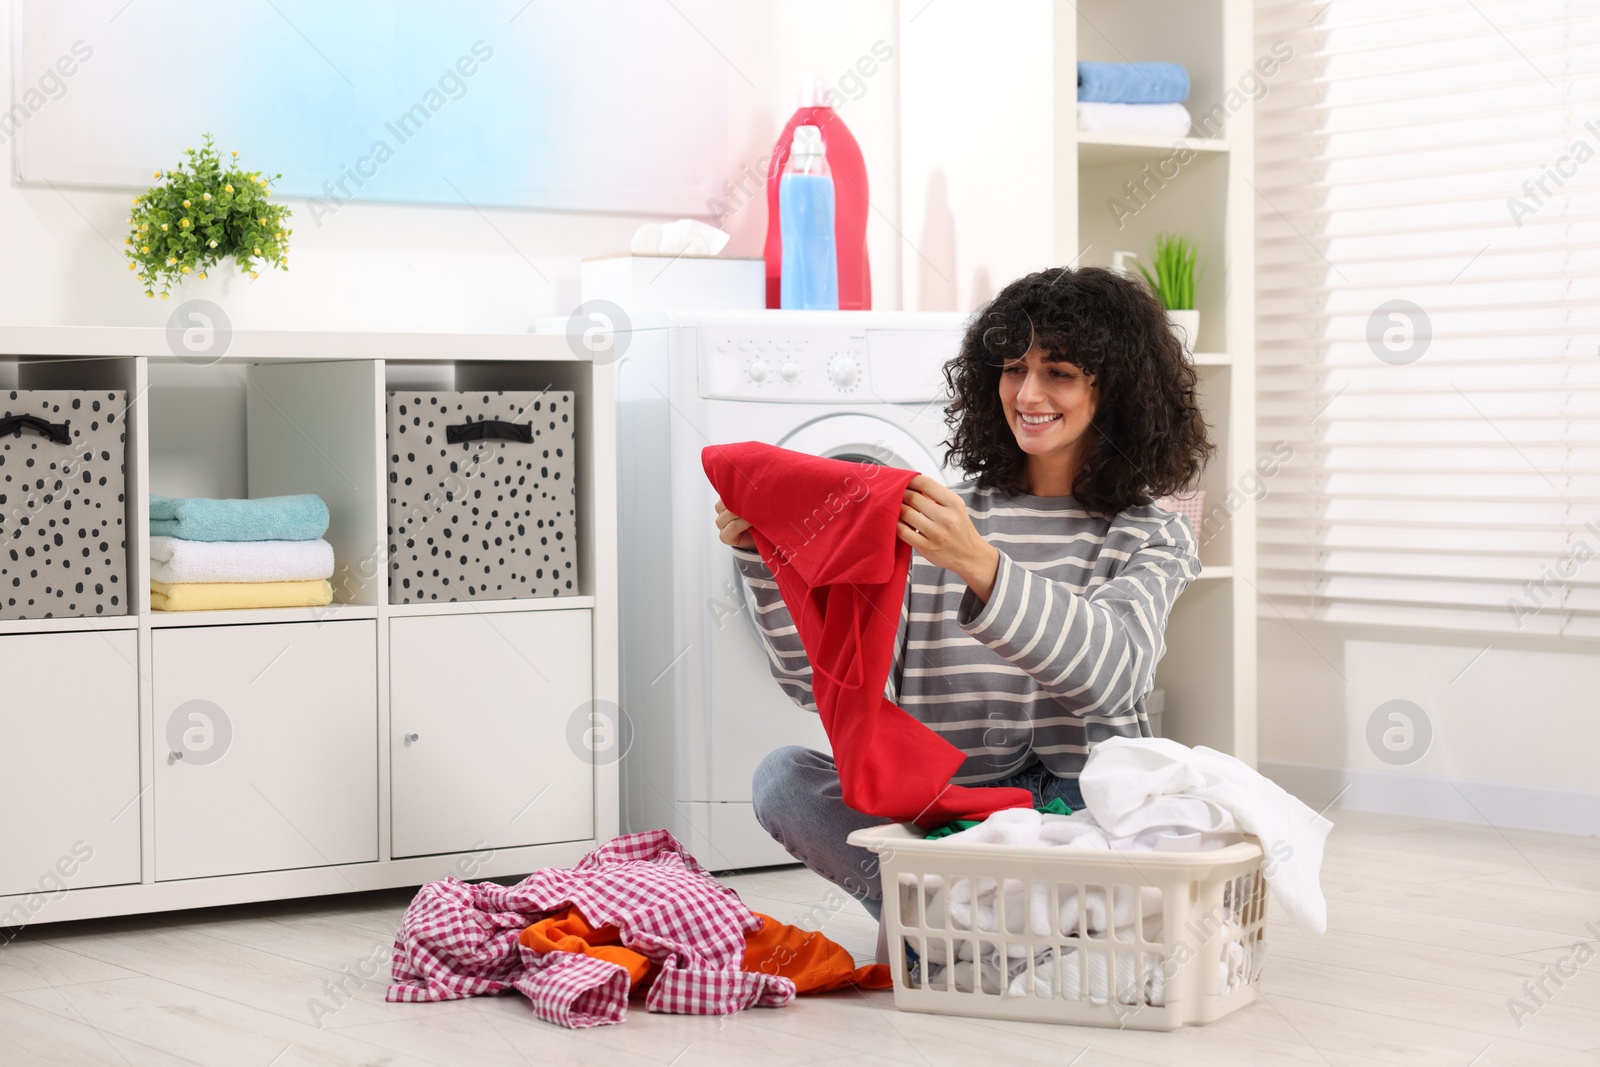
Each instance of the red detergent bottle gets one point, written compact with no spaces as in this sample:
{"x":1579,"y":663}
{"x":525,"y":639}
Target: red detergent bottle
{"x":851,"y":202}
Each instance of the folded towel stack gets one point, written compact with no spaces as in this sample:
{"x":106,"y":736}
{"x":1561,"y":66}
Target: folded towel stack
{"x":207,"y":555}
{"x":1133,"y":98}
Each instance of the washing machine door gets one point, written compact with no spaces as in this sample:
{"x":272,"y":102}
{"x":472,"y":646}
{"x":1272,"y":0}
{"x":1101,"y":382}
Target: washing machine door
{"x":865,"y":439}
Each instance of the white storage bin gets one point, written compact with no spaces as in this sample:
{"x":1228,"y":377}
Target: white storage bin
{"x":1184,"y":935}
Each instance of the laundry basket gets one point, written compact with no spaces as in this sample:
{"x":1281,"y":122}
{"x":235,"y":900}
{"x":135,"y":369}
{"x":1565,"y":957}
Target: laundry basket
{"x":1144,"y":940}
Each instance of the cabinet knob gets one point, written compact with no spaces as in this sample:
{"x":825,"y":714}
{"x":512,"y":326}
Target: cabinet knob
{"x":410,"y":738}
{"x":176,"y":754}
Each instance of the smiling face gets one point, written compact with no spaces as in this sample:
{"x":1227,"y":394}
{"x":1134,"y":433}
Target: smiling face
{"x":1049,"y":405}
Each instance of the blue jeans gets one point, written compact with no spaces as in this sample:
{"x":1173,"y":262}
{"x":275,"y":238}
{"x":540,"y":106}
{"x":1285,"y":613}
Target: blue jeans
{"x":799,"y":802}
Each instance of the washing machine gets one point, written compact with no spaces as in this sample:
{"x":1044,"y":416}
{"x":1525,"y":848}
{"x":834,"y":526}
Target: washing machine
{"x":698,"y":696}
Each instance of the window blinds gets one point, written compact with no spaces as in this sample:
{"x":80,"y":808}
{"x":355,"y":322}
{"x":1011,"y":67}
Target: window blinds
{"x":1428,"y":299}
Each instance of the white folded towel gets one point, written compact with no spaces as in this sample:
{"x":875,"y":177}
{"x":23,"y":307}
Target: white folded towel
{"x":174,"y":561}
{"x":1148,"y":120}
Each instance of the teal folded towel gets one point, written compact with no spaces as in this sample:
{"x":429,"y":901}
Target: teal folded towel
{"x":273,"y":518}
{"x":1132,"y":83}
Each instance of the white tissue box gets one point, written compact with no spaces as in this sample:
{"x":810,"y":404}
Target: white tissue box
{"x":677,"y":282}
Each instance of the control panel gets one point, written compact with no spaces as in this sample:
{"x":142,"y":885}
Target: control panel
{"x":821,"y":365}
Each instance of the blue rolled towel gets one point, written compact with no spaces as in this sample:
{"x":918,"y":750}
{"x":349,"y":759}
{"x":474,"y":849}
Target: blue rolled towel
{"x":273,"y":518}
{"x":1132,"y":83}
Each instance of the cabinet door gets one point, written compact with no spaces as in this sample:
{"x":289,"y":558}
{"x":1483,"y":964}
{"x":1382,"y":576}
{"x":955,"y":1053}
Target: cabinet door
{"x":266,"y":747}
{"x":69,"y":768}
{"x":488,"y":713}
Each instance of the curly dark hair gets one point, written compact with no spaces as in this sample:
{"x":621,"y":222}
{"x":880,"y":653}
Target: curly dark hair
{"x":1148,"y":438}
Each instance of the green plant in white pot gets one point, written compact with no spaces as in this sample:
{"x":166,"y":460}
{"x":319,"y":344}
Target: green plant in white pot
{"x":204,"y":211}
{"x":1173,"y":275}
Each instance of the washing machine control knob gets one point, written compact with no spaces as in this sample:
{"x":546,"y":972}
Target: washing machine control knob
{"x":790,"y":370}
{"x":758,"y":371}
{"x":843,"y":371}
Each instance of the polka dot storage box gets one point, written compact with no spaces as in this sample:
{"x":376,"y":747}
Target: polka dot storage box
{"x":63,"y":509}
{"x":482,"y":496}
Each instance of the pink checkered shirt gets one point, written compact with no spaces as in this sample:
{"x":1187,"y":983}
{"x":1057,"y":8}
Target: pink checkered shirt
{"x":459,"y":939}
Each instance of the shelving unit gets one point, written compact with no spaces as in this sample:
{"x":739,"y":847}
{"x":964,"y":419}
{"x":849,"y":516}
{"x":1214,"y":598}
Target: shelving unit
{"x":1105,"y":149}
{"x":67,"y":626}
{"x":371,"y":745}
{"x":1050,"y":199}
{"x":242,"y":616}
{"x":1209,"y":670}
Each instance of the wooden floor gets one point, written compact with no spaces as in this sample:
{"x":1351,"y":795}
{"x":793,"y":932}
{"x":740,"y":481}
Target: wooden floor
{"x":1434,"y":929}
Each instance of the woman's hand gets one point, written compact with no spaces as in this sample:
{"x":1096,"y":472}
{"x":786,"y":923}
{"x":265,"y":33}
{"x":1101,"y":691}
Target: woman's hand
{"x":934,"y":521}
{"x":732,"y":530}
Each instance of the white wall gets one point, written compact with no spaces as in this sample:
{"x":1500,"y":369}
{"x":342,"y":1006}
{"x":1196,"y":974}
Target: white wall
{"x":432,"y":268}
{"x":1515,"y":723}
{"x":979,"y":175}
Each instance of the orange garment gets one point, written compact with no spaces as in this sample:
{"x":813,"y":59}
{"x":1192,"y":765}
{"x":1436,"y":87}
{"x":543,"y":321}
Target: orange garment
{"x":811,"y":961}
{"x":569,"y":931}
{"x":815,"y":964}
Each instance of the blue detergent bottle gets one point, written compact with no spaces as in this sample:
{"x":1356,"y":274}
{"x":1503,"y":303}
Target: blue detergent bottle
{"x":810,"y":277}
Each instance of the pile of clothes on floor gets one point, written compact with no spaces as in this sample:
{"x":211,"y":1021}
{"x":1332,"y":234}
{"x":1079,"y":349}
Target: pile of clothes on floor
{"x":207,"y":555}
{"x":1140,"y":795}
{"x":637,"y":917}
{"x":1138,"y":99}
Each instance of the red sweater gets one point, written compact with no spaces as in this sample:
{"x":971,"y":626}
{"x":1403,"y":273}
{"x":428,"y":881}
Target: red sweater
{"x":826,"y":529}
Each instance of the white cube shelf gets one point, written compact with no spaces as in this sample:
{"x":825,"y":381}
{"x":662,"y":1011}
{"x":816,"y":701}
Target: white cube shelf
{"x":318,"y":789}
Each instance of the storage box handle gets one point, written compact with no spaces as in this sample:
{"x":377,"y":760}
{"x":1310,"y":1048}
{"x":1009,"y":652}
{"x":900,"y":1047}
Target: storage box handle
{"x":489,"y":428}
{"x":59,"y":432}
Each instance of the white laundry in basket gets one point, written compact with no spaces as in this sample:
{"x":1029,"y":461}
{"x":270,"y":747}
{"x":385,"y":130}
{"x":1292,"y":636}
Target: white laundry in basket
{"x":1151,"y":989}
{"x":1209,"y":953}
{"x":966,"y":973}
{"x":1132,"y":784}
{"x":971,"y":910}
{"x":1233,"y":972}
{"x":980,"y":916}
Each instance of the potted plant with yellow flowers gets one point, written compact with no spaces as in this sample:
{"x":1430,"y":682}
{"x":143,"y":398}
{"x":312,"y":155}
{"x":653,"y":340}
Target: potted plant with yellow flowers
{"x":201,"y":214}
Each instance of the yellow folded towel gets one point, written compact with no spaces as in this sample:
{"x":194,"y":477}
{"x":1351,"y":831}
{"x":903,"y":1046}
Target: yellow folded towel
{"x":218,"y":596}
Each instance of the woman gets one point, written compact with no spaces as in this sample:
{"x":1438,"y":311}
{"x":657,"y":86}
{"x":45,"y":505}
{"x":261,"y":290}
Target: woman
{"x":1040,"y":588}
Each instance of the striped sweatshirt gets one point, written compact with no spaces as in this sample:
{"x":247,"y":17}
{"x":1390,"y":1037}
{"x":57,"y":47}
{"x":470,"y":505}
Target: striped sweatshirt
{"x":1060,"y":657}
